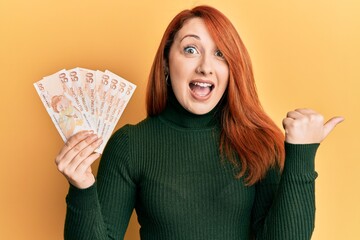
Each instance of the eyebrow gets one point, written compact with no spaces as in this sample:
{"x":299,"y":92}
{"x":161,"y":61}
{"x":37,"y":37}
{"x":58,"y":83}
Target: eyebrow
{"x":190,"y":35}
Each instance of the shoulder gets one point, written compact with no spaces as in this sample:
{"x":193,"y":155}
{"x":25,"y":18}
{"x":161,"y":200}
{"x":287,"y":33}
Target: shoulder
{"x":149,"y":124}
{"x":122,"y":150}
{"x":122,"y":146}
{"x":133,"y":132}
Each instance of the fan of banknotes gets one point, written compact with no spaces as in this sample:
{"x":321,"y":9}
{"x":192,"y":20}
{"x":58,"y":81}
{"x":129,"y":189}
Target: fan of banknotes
{"x":83,"y":99}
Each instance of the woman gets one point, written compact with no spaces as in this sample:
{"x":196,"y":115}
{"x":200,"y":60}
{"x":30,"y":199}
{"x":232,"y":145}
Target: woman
{"x":207,"y":162}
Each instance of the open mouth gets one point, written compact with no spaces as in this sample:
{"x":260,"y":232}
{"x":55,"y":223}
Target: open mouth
{"x":201,"y":89}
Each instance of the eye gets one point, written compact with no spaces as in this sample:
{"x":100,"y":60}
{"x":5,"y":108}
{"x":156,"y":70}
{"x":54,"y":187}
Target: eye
{"x":190,"y":50}
{"x":219,"y":54}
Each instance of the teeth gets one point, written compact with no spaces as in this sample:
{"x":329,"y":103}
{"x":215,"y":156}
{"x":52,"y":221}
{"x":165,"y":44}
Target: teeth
{"x":201,"y":84}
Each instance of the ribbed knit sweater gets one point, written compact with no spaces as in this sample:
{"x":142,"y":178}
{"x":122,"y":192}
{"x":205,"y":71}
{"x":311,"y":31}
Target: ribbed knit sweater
{"x":168,"y":168}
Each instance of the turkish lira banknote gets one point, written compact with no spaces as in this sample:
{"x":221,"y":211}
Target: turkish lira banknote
{"x":83,"y":99}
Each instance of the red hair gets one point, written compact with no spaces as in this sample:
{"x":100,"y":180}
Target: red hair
{"x":249,"y":139}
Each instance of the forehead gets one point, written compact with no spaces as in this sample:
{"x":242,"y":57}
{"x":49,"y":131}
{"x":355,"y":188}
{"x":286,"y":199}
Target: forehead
{"x":194,"y":26}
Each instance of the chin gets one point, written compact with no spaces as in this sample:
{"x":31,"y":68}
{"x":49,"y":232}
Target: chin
{"x":200,"y":111}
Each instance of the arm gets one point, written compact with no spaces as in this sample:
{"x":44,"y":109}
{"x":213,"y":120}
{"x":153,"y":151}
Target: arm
{"x":102,"y":210}
{"x":284,"y":207}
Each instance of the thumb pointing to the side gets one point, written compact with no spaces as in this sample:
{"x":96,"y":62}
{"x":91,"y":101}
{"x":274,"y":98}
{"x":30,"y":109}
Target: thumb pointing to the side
{"x":331,"y":124}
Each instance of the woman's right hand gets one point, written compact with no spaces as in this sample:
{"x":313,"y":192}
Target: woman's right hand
{"x":76,"y":156}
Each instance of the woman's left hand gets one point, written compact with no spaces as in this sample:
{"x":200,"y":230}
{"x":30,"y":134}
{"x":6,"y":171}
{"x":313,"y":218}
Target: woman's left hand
{"x":304,"y":126}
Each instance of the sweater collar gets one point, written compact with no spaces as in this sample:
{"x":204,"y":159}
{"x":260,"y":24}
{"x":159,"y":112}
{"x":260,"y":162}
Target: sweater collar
{"x":177,"y":115}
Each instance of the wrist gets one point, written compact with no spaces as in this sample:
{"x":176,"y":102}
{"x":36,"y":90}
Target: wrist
{"x":300,"y":158}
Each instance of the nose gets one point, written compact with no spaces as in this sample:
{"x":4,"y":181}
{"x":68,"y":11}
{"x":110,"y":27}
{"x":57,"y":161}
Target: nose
{"x":204,"y":66}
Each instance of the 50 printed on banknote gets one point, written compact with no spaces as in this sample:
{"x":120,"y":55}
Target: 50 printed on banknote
{"x":83,"y":99}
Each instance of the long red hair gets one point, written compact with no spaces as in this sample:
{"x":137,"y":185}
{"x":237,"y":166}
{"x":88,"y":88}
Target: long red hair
{"x":249,"y":139}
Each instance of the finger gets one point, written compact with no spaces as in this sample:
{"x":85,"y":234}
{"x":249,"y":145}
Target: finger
{"x":78,"y":148}
{"x":287,"y":122}
{"x":294,"y":114}
{"x":73,"y":140}
{"x":331,"y":124}
{"x":86,"y":164}
{"x":81,"y":170}
{"x":309,"y":115}
{"x":83,"y":154}
{"x":305,"y":111}
{"x":64,"y":161}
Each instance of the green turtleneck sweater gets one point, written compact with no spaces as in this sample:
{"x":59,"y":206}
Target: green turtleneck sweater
{"x":168,"y":168}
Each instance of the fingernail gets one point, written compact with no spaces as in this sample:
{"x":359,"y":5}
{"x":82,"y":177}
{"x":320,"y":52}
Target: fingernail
{"x":93,"y":136}
{"x":87,"y":133}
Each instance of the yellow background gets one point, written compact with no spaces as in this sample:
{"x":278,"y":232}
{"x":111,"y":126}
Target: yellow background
{"x":305,"y":54}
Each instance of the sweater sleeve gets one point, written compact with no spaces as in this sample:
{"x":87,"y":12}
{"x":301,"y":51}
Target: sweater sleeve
{"x":284,"y":207}
{"x":103,"y":210}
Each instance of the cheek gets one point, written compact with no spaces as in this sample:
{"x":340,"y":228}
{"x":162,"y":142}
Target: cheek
{"x":180,"y":69}
{"x":180,"y":74}
{"x":224,"y":77}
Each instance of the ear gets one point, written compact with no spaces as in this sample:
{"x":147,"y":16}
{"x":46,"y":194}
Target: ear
{"x":166,"y":66}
